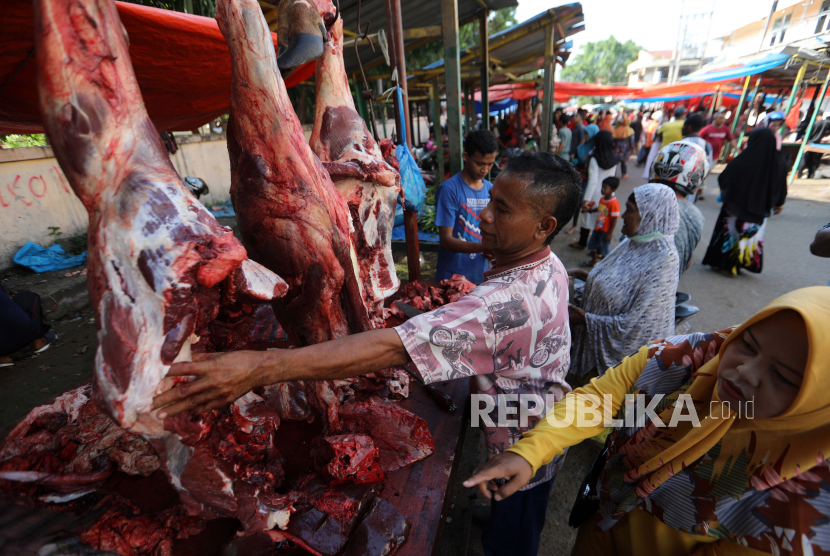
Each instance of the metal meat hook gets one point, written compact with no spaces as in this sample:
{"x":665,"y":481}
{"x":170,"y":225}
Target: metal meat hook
{"x":367,"y":92}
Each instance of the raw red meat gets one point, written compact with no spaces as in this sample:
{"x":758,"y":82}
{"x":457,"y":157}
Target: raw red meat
{"x":426,"y":298}
{"x":67,"y":446}
{"x":380,"y":533}
{"x":357,"y":166}
{"x":401,"y":437}
{"x":348,"y":458}
{"x":290,"y":215}
{"x":155,"y":253}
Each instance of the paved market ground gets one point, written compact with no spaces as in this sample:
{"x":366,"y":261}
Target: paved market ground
{"x":723,"y":301}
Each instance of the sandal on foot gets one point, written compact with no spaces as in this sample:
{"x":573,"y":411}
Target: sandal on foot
{"x":577,"y":245}
{"x":50,"y":337}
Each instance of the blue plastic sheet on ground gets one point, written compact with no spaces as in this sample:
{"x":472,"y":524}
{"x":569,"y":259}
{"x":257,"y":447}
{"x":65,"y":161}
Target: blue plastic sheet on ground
{"x":399,"y":234}
{"x":225,"y":210}
{"x":42,"y":259}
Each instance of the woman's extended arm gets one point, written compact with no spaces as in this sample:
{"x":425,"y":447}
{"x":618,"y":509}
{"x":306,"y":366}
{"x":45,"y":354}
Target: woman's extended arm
{"x":579,"y":415}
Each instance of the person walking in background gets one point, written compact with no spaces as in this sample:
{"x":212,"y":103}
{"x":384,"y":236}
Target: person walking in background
{"x":648,"y":136}
{"x":672,"y":131}
{"x":656,"y":144}
{"x":608,"y":212}
{"x":577,"y":134}
{"x":821,"y":129}
{"x":683,"y":167}
{"x":637,"y":126}
{"x":602,"y":163}
{"x":691,"y":129}
{"x":624,"y":144}
{"x":753,"y":185}
{"x":565,"y":138}
{"x":581,"y":164}
{"x":717,"y":134}
{"x":606,"y":121}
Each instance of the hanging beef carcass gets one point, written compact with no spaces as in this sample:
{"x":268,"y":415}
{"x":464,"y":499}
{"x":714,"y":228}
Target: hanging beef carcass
{"x":353,"y":158}
{"x":160,"y":266}
{"x":291,"y":217}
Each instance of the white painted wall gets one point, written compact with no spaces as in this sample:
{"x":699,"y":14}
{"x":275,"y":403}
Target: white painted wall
{"x":34,"y":193}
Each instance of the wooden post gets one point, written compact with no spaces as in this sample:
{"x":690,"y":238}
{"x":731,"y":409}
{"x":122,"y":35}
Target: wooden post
{"x":398,"y":58}
{"x":452,"y":69}
{"x":483,"y":38}
{"x":436,"y":129}
{"x":547,"y":98}
{"x":746,"y":122}
{"x":740,"y":105}
{"x":794,"y":172}
{"x":714,"y":101}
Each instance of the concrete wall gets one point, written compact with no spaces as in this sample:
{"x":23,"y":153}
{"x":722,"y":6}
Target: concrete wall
{"x":34,"y":193}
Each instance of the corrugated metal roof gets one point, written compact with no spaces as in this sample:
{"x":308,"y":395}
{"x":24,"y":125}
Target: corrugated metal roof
{"x":521,"y":49}
{"x":414,"y":14}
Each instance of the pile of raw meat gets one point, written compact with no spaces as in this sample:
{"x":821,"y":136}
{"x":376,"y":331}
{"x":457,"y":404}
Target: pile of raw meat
{"x":425,"y":297}
{"x":167,"y":280}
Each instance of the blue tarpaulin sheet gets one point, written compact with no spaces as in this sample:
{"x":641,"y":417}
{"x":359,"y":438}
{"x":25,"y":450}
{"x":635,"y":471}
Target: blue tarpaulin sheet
{"x":225,"y":210}
{"x":752,"y":67}
{"x":398,"y":234}
{"x":498,"y":106}
{"x":42,"y":259}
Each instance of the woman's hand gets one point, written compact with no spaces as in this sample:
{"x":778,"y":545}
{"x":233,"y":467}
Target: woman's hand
{"x":777,"y":210}
{"x":577,"y":315}
{"x":221,"y":379}
{"x":586,"y":205}
{"x":578,"y":273}
{"x":508,"y":465}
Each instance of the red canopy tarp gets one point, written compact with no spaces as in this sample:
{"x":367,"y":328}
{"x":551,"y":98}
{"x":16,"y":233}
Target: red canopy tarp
{"x":562,"y":91}
{"x":181,"y":62}
{"x":692,"y":88}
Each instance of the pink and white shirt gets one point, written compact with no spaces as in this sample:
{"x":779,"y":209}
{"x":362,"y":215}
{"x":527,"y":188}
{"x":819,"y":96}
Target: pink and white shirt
{"x":511,"y":336}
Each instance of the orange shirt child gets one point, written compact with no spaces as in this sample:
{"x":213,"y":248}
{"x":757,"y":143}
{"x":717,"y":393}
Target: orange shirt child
{"x":607,"y":212}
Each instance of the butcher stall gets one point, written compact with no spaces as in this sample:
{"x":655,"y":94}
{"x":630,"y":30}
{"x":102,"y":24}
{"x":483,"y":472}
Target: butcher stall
{"x":361,"y":466}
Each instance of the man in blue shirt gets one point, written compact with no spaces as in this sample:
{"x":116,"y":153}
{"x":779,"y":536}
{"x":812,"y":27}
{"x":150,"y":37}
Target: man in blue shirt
{"x":458,"y":202}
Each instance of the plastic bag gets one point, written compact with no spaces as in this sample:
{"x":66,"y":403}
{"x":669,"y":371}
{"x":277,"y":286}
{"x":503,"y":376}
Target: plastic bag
{"x":41,"y":259}
{"x":414,"y":188}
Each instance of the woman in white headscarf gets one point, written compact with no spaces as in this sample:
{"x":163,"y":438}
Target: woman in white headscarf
{"x":629,"y":296}
{"x":655,"y":143}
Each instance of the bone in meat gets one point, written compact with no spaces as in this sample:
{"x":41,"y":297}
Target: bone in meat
{"x":291,"y":217}
{"x":159,"y":263}
{"x":368,"y":183}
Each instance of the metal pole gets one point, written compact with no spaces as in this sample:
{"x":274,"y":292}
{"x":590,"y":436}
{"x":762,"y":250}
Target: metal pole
{"x":452,"y":68}
{"x":671,"y":78}
{"x":798,"y":78}
{"x":485,"y":68}
{"x":714,"y":100}
{"x":436,"y":129}
{"x":547,"y":94}
{"x":740,"y":105}
{"x":766,"y":27}
{"x":806,"y":139}
{"x":746,"y":122}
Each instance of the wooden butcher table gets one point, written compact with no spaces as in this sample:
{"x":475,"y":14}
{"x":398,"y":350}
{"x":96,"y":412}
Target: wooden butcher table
{"x":419,"y":491}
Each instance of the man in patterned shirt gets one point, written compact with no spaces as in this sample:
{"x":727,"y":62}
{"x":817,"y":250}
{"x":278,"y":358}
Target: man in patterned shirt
{"x":509,"y":336}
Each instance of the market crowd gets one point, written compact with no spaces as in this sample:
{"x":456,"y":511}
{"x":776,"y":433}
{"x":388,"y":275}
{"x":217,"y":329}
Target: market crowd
{"x":733,"y":481}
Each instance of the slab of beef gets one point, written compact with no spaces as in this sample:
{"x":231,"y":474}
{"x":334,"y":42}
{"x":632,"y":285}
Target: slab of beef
{"x":160,"y":266}
{"x":290,"y":215}
{"x":356,"y":164}
{"x":425,"y":297}
{"x":62,"y":449}
{"x":380,"y":533}
{"x":156,"y":254}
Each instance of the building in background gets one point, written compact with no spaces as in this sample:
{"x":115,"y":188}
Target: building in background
{"x":657,"y":66}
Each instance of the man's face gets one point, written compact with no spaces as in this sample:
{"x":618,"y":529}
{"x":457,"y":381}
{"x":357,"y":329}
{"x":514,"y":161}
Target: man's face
{"x":720,"y":119}
{"x":478,"y":165}
{"x":577,"y":119}
{"x":775,"y":125}
{"x":509,"y":223}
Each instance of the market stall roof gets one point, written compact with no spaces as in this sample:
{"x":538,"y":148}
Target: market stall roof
{"x":181,"y":62}
{"x":520,"y":49}
{"x":421,"y":24}
{"x":781,"y":63}
{"x":562,"y":92}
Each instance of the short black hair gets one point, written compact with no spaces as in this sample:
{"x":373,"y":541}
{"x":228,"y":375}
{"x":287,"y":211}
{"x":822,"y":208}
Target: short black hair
{"x":564,"y":119}
{"x":556,"y":187}
{"x":612,"y":182}
{"x":481,"y":141}
{"x":695,"y":122}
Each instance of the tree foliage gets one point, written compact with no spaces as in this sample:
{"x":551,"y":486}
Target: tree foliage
{"x":467,"y":36}
{"x":603,"y":62}
{"x":14,"y":141}
{"x":206,"y":8}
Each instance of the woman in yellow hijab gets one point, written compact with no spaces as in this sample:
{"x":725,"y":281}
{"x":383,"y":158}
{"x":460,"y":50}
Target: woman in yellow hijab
{"x":733,"y":460}
{"x":624,"y":143}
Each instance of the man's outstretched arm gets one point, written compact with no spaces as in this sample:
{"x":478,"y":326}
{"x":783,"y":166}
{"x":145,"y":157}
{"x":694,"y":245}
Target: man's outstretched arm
{"x":222,"y":378}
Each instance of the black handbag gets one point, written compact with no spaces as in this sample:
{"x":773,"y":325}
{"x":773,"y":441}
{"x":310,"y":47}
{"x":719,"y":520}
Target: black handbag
{"x":587,"y":499}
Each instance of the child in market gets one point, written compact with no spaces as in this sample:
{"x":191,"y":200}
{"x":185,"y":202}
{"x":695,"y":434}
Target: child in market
{"x":608,"y":211}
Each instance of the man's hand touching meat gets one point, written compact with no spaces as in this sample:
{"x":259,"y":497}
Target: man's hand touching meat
{"x":526,"y":204}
